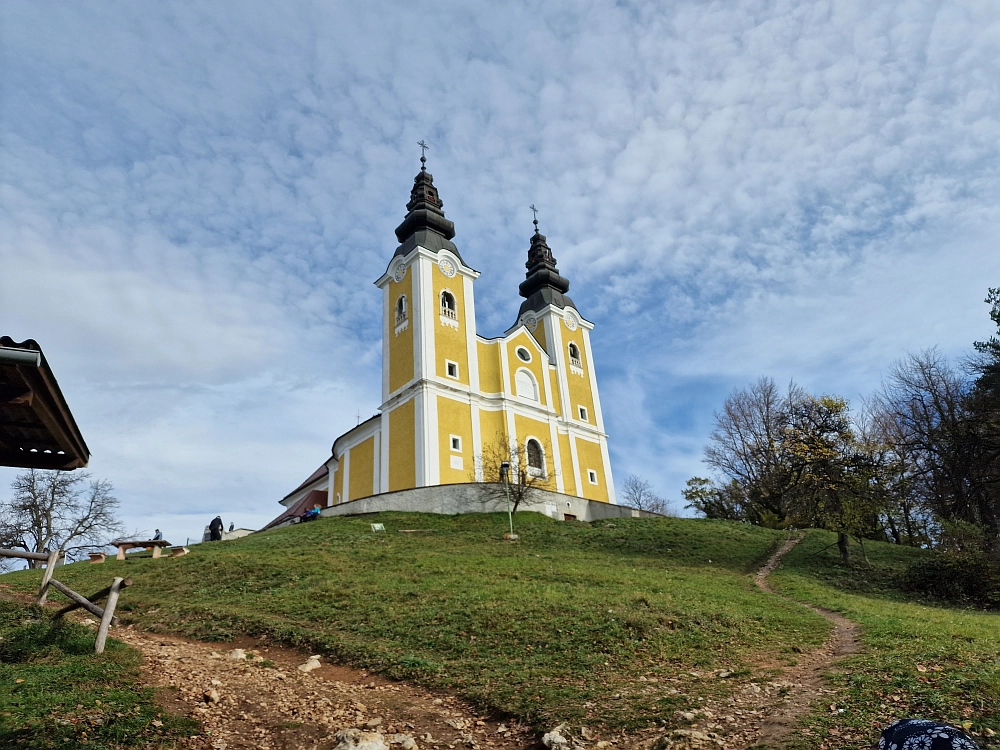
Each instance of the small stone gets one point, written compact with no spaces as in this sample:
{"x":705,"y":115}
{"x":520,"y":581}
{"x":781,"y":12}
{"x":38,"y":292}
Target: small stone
{"x":237,"y":654}
{"x":554,"y":740}
{"x":216,"y":682}
{"x":355,"y":739}
{"x":375,"y":721}
{"x":586,"y":733}
{"x":724,"y":674}
{"x":311,"y":663}
{"x":212,"y":696}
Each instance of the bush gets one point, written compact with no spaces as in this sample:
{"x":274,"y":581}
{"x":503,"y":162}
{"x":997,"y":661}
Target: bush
{"x":966,"y":576}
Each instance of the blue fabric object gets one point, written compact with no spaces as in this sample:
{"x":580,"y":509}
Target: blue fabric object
{"x":923,"y":734}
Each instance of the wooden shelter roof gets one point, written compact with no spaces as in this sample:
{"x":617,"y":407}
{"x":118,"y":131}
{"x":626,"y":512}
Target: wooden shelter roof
{"x":37,"y":429}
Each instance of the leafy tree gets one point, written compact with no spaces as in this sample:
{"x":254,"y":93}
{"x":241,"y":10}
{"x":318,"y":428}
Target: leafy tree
{"x":53,"y":510}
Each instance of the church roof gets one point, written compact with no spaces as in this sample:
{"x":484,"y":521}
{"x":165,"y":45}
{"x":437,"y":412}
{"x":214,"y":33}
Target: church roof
{"x":37,"y":429}
{"x":321,"y":472}
{"x":425,"y":223}
{"x":542,"y":286}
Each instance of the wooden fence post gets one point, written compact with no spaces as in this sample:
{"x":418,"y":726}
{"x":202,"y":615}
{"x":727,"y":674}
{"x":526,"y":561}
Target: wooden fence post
{"x":109,"y":612}
{"x":50,"y":568}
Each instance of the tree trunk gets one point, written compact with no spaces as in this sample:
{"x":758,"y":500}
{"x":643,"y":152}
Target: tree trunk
{"x":842,"y":544}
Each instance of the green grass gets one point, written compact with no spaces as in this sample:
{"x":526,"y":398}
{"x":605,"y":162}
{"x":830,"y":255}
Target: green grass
{"x":55,"y":692}
{"x":550,"y":628}
{"x":561,"y":625}
{"x":958,"y":648}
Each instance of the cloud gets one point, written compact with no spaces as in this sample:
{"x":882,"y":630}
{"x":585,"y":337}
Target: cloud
{"x":195,"y":199}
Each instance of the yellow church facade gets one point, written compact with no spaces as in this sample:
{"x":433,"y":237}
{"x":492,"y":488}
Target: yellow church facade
{"x":451,"y":397}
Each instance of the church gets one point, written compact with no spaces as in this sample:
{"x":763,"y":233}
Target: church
{"x":449,"y":394}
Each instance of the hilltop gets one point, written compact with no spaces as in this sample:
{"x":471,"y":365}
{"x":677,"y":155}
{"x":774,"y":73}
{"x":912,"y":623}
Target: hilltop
{"x":622,"y":624}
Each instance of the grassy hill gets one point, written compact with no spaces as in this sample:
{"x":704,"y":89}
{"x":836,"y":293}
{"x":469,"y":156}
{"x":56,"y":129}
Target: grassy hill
{"x":599,"y":623}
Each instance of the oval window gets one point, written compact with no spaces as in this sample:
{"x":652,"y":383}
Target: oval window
{"x":523,"y":354}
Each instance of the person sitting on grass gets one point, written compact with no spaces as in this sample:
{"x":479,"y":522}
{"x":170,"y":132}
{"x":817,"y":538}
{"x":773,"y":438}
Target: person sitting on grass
{"x":923,"y":734}
{"x":310,"y":515}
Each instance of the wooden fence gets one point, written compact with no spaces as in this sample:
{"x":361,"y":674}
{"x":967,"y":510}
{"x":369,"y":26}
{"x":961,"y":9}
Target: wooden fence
{"x":89,"y":603}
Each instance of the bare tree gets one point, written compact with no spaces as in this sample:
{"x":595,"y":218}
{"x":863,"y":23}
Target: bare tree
{"x":526,"y":474}
{"x":638,"y":493}
{"x":53,"y":510}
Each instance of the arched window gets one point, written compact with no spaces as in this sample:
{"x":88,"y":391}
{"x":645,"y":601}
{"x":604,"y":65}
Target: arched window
{"x":400,"y":309}
{"x":448,"y":308}
{"x":535,"y":458}
{"x":525,"y":385}
{"x":574,"y":355}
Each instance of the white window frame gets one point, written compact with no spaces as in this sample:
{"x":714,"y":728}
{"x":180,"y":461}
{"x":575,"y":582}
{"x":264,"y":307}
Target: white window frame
{"x":452,"y":440}
{"x":534,"y":382}
{"x":532,"y":470}
{"x":448,"y":315}
{"x":402,"y":320}
{"x":591,"y":476}
{"x":582,"y":413}
{"x":517,"y":353}
{"x":448,"y":364}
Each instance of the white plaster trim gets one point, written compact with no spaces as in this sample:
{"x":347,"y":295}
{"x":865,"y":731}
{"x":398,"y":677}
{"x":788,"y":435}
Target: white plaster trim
{"x":534,"y":380}
{"x":431,"y":439}
{"x":543,"y":473}
{"x":612,"y":495}
{"x":384,"y":464}
{"x":387,"y":313}
{"x":377,"y":461}
{"x":594,"y":395}
{"x":556,"y":456}
{"x":477,"y":440}
{"x":346,"y":490}
{"x":472,"y":347}
{"x":576,"y":465}
{"x":446,"y":321}
{"x":451,"y":443}
{"x":419,"y":459}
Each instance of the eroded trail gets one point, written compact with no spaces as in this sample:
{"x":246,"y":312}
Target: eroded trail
{"x":807,"y":676}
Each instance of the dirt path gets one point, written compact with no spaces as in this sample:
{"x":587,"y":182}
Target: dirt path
{"x":806,"y":678}
{"x":272,"y":705}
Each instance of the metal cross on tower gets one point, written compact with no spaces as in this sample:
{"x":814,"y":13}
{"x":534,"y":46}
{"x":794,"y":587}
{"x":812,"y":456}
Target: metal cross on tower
{"x":423,"y":153}
{"x":534,"y":212}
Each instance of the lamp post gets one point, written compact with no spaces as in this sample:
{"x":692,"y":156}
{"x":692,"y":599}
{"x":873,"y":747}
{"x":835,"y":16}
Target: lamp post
{"x":505,"y":478}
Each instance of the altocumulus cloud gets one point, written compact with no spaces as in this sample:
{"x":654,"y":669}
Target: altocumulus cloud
{"x":195,"y":200}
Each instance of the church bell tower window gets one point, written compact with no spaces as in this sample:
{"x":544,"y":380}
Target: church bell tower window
{"x":449,"y":309}
{"x":402,"y":318}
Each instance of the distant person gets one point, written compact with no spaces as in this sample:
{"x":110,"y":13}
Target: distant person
{"x":311,"y":515}
{"x":158,"y":536}
{"x":215,"y":529}
{"x":923,"y":734}
{"x":232,"y":525}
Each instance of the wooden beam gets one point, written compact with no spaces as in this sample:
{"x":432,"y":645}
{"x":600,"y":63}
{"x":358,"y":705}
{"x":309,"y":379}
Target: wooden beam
{"x":50,"y":568}
{"x":109,"y":616}
{"x":93,"y":599}
{"x":35,"y":460}
{"x":23,"y":554}
{"x":92,"y":608}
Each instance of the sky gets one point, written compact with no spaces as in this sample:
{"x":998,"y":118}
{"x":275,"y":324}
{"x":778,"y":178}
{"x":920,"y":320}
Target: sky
{"x":195,"y":199}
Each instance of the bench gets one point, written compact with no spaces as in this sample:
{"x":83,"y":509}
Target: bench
{"x":156,"y":545}
{"x":178,"y":551}
{"x":97,"y":557}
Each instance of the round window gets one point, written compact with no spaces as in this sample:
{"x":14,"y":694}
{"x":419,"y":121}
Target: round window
{"x":523,"y":354}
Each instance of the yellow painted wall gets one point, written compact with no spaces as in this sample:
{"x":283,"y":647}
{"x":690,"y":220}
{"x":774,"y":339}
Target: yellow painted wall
{"x":362,"y":469}
{"x":589,"y":456}
{"x":492,"y":428}
{"x":400,"y":347}
{"x":450,"y":343}
{"x":338,"y":481}
{"x":554,"y":385}
{"x":539,"y":334}
{"x":569,"y":480}
{"x":579,"y":385}
{"x":490,"y":378}
{"x":402,"y":447}
{"x":455,"y":418}
{"x":539,"y":430}
{"x":535,"y":366}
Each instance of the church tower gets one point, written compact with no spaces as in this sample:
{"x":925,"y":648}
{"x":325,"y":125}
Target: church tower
{"x":428,"y":342}
{"x":449,"y":395}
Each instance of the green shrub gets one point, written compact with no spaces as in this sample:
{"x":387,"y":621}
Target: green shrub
{"x":968,"y":576}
